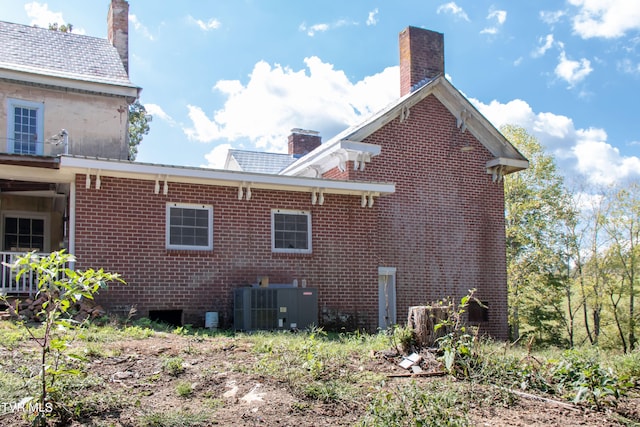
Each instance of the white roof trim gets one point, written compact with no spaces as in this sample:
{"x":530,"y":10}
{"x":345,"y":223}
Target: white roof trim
{"x":72,"y":81}
{"x":331,"y":155}
{"x":467,"y":115}
{"x":69,"y":166}
{"x":501,"y":161}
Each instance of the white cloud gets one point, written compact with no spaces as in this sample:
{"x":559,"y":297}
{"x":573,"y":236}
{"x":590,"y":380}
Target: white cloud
{"x":277,"y":99}
{"x":217,"y":157}
{"x":140,"y":27}
{"x":499,"y":15}
{"x":41,"y":16}
{"x":312,"y":30}
{"x":453,"y":9}
{"x":626,"y":66}
{"x":373,"y":19}
{"x":600,"y":161}
{"x":489,"y":30}
{"x":605,"y":18}
{"x":158,"y":113}
{"x":545,"y":44}
{"x":573,"y":72}
{"x":322,"y":27}
{"x":211,"y":24}
{"x":583,"y":152}
{"x":551,"y":18}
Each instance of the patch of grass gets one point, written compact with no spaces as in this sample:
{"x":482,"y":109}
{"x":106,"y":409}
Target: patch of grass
{"x":12,"y":335}
{"x":97,"y":404}
{"x":407,"y":404}
{"x":184,"y":389}
{"x":114,"y":332}
{"x":173,"y":366}
{"x":316,"y":365}
{"x":94,"y":350}
{"x":175,"y":419}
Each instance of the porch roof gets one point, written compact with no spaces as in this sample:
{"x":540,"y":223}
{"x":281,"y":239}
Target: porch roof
{"x":69,"y":166}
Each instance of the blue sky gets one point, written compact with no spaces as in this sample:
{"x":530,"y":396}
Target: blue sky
{"x":243,"y":73}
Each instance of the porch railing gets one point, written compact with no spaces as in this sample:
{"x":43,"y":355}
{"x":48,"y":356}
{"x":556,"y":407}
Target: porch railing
{"x":25,"y":285}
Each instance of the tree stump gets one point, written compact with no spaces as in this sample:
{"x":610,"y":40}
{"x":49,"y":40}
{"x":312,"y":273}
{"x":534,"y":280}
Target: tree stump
{"x":423,"y":319}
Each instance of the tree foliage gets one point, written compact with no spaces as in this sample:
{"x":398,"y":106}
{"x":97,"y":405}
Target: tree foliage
{"x":61,"y":287}
{"x":63,"y":28}
{"x":138,"y":127}
{"x":537,"y":213}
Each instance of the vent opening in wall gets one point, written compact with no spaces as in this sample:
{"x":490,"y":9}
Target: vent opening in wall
{"x":170,"y":317}
{"x":478,"y":312}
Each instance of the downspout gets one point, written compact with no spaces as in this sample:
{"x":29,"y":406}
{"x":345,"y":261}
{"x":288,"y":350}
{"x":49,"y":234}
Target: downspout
{"x":72,"y":218}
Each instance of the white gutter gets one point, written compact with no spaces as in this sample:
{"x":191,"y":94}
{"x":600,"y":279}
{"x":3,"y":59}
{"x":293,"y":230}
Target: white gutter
{"x":151,"y":172}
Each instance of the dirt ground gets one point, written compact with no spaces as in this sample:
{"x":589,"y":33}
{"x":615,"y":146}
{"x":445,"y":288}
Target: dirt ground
{"x":213,"y":368}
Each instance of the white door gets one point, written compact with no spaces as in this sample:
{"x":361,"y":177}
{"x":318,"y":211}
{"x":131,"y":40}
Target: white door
{"x":386,"y":297}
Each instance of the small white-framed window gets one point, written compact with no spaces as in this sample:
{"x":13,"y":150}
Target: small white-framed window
{"x":25,"y":127}
{"x":290,"y":231}
{"x":189,"y":226}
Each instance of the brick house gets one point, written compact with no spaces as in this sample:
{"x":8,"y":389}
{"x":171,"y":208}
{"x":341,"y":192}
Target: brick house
{"x":402,"y":209}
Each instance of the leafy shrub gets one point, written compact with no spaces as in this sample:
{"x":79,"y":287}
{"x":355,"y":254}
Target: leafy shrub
{"x":579,"y":377}
{"x":458,"y":346}
{"x":61,"y":288}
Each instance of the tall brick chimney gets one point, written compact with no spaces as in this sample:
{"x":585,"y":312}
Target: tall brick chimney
{"x":118,"y":29}
{"x":302,"y":141}
{"x":421,"y":56}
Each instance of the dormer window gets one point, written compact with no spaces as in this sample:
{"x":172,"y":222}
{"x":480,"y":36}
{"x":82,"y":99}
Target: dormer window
{"x":25,"y":120}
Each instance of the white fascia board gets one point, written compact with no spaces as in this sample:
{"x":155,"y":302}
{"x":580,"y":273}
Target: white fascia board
{"x":34,"y":174}
{"x":358,"y":132}
{"x":475,"y":122}
{"x":151,"y":172}
{"x":514,"y":164}
{"x":327,"y":159}
{"x":71,"y":82}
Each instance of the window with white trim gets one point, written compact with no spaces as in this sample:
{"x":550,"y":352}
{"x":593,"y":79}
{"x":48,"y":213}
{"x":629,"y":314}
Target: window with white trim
{"x":25,"y":127}
{"x":189,"y":226}
{"x":290,"y":231}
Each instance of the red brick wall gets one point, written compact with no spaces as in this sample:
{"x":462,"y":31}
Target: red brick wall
{"x":121,"y":228}
{"x":443,"y":229}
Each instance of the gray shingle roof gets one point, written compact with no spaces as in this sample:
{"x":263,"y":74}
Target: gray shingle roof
{"x":257,"y":162}
{"x":54,"y":53}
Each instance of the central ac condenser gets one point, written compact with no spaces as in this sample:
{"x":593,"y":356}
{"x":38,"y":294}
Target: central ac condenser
{"x":274,"y":308}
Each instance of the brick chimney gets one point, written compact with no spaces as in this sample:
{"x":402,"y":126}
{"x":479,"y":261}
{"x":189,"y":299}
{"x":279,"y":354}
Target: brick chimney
{"x":118,"y":29}
{"x":302,"y":141}
{"x":421,"y":56}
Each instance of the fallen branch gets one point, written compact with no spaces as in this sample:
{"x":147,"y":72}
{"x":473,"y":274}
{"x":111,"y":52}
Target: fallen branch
{"x":421,"y":374}
{"x":541,"y":399}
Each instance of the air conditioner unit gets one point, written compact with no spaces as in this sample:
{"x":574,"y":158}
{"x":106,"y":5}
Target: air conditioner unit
{"x":274,"y":308}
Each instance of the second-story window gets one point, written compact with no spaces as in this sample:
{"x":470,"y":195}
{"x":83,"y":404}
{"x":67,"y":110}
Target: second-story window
{"x":25,"y":127}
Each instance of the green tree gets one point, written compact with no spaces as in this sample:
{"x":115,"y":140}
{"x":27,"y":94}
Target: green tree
{"x":622,"y":225}
{"x":61,"y":287}
{"x":537,"y":214}
{"x":138,"y":127}
{"x":64,"y":28}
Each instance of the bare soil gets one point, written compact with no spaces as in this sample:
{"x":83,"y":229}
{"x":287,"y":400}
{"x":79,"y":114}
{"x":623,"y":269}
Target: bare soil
{"x":222,"y":389}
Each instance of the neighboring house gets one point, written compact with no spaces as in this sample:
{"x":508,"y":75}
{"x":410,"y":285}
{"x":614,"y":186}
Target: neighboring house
{"x":403,"y":209}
